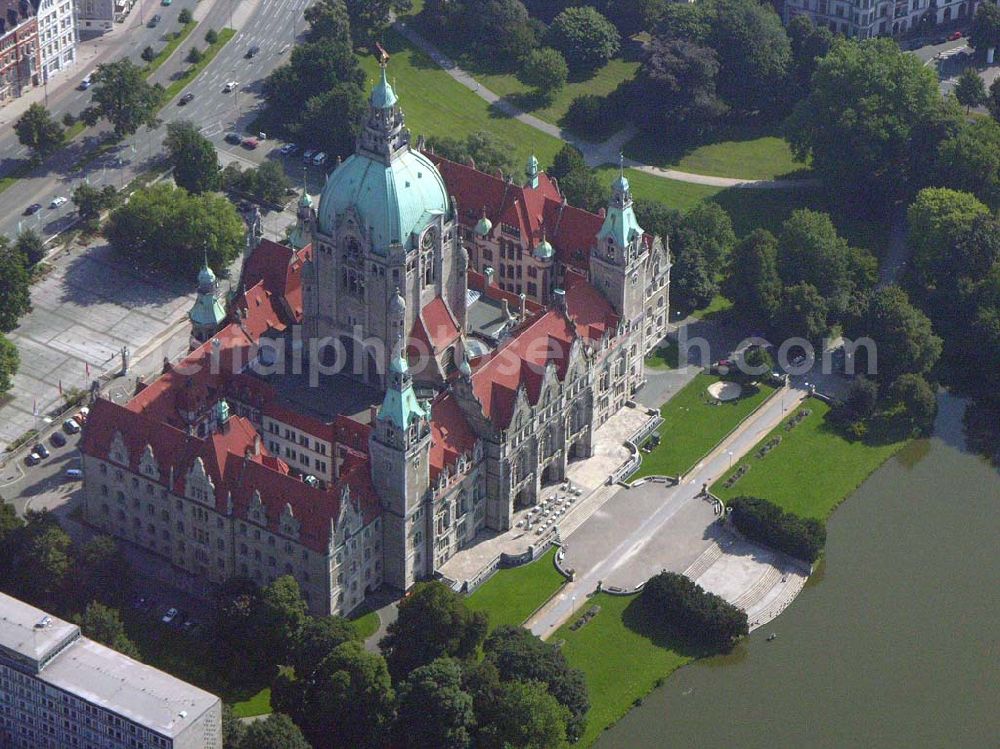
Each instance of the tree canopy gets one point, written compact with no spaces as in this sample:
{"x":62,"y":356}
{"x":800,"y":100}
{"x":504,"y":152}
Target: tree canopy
{"x":969,"y":160}
{"x":433,"y":709}
{"x":10,"y":362}
{"x":545,"y":70}
{"x":38,"y":131}
{"x":678,"y":604}
{"x":585,"y":38}
{"x":936,"y":218}
{"x":104,"y":624}
{"x":683,"y":75}
{"x":193,"y":157}
{"x":15,"y":296}
{"x":121,"y":95}
{"x":752,"y":282}
{"x":970,"y":91}
{"x":985,"y":31}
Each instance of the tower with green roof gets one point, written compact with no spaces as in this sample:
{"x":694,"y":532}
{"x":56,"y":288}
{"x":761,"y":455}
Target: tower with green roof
{"x":305,"y":218}
{"x":208,"y":313}
{"x":399,"y":446}
{"x":618,"y":258}
{"x":385,"y":221}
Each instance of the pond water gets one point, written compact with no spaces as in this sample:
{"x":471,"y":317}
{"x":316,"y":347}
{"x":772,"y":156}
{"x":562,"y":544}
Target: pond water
{"x":893,"y":643}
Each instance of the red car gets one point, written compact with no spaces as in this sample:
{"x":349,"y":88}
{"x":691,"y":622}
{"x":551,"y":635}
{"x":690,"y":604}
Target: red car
{"x":955,"y":36}
{"x":250,"y":143}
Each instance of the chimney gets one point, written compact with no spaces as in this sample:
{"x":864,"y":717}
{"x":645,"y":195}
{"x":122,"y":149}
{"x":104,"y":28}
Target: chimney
{"x":559,"y":299}
{"x":506,"y":308}
{"x":256,"y":444}
{"x":488,"y":274}
{"x":372,"y":414}
{"x":521,"y":305}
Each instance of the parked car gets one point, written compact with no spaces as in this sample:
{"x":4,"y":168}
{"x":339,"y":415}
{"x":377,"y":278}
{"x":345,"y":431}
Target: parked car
{"x":154,"y":21}
{"x":230,"y":86}
{"x":233,"y":138}
{"x":71,"y":426}
{"x":252,"y":52}
{"x":955,"y":36}
{"x":185,"y":99}
{"x":85,"y":83}
{"x":32,"y":460}
{"x":166,"y":2}
{"x":74,"y":473}
{"x":190,"y":626}
{"x":250,"y":143}
{"x":284,"y":49}
{"x":32,"y":209}
{"x":319,"y":159}
{"x":57,"y":201}
{"x":40,"y":450}
{"x":170,"y":615}
{"x":308,"y":155}
{"x":58,"y":439}
{"x":288,"y":149}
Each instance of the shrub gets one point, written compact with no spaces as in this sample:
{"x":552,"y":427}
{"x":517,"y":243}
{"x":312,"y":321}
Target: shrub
{"x":69,"y":119}
{"x":195,"y":56}
{"x":684,"y":608}
{"x":148,"y":54}
{"x":765,"y":522}
{"x":590,"y":114}
{"x":211,"y":36}
{"x":185,"y":17}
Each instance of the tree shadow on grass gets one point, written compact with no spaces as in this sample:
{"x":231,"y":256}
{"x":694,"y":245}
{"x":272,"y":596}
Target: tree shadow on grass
{"x":635,"y":618}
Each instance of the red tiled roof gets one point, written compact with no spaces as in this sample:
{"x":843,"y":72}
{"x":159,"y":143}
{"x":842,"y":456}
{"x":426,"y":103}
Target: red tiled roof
{"x":450,"y":434}
{"x":278,"y":268}
{"x":590,"y":311}
{"x":478,"y":282}
{"x":439,"y":323}
{"x":521,"y":362}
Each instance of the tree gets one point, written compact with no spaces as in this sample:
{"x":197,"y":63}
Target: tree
{"x":567,"y":159}
{"x":121,"y":95}
{"x":316,"y":639}
{"x":433,"y":622}
{"x":433,"y":709}
{"x":31,"y":246}
{"x":331,"y":121}
{"x":148,"y":54}
{"x":914,"y":396}
{"x":809,"y":43}
{"x":193,"y":157}
{"x":545,"y":70}
{"x":752,"y":282}
{"x":102,"y":574}
{"x":38,"y":131}
{"x":709,"y":226}
{"x":683,"y":21}
{"x":763,"y":521}
{"x":503,"y":26}
{"x":871,"y":118}
{"x":487,"y":151}
{"x":754,"y":52}
{"x":583,"y":190}
{"x":15,"y":298}
{"x":586,"y":38}
{"x":861,"y":400}
{"x":370,"y":18}
{"x":810,"y":251}
{"x":91,"y":201}
{"x":523,"y":714}
{"x":676,"y":86}
{"x":970,"y":160}
{"x":39,"y":561}
{"x":164,"y":227}
{"x":328,"y":19}
{"x":10,"y":361}
{"x":521,"y":656}
{"x":276,"y":731}
{"x":985,"y":31}
{"x":195,"y":55}
{"x":993,"y":99}
{"x":211,"y":37}
{"x":658,"y":218}
{"x":104,"y":625}
{"x":184,"y":17}
{"x":281,"y":615}
{"x":678,"y":605}
{"x":970,"y":89}
{"x":904,"y":339}
{"x":345,"y":703}
{"x":936,"y":218}
{"x":802,"y":312}
{"x":692,"y":280}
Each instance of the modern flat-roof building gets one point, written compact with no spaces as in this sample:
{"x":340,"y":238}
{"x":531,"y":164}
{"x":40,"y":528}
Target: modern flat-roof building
{"x":60,"y":690}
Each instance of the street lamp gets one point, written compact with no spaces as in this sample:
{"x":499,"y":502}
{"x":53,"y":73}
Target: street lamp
{"x":730,"y":458}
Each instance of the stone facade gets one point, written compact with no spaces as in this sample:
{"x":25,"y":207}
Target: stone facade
{"x":865,"y":19}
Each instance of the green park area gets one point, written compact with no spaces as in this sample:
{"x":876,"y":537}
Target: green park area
{"x":621,"y":655}
{"x":512,"y":595}
{"x":664,"y":357}
{"x":812,"y":470}
{"x":694,"y":422}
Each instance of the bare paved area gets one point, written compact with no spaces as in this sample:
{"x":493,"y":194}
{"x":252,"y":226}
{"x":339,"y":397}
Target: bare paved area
{"x":609,"y":449}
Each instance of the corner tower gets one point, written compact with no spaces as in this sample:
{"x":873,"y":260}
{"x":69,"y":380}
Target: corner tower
{"x":400,"y":463}
{"x":384,"y":222}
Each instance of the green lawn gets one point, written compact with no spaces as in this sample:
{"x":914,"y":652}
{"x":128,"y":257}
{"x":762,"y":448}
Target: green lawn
{"x":665,"y":357}
{"x":366,"y":625}
{"x":620,"y":657}
{"x":605,"y":80}
{"x":715,"y":308}
{"x":436,"y":104}
{"x":692,"y":425}
{"x":813,"y":469}
{"x":258,"y":704}
{"x":512,"y":595}
{"x":745,"y":155}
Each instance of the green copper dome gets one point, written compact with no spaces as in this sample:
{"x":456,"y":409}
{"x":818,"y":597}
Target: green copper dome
{"x":206,"y":278}
{"x":383,"y":96}
{"x":393,"y":200}
{"x":544,"y":251}
{"x":483,"y":227}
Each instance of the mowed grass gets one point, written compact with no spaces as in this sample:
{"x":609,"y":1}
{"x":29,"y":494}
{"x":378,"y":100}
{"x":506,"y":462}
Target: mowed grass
{"x":813,"y":469}
{"x":742,"y":155}
{"x":512,"y":595}
{"x":601,"y":83}
{"x":621,"y":657}
{"x":664,"y":357}
{"x":436,"y":104}
{"x":366,"y":625}
{"x":693,"y":422}
{"x":258,"y":704}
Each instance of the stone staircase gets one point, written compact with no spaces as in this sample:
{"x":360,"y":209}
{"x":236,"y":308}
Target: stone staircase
{"x":759,"y":589}
{"x":705,"y":560}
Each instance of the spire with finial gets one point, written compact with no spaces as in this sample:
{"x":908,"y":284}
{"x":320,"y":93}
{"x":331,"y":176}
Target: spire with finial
{"x":484,"y":226}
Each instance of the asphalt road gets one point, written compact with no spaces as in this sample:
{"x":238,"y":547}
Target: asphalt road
{"x":268,"y":24}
